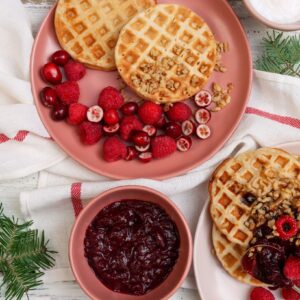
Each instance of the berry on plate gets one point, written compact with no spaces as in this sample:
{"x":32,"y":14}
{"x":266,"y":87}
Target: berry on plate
{"x":111,"y":117}
{"x":132,"y":153}
{"x":145,"y":157}
{"x":150,"y":112}
{"x":141,"y":138}
{"x":173,"y":130}
{"x":150,"y":129}
{"x":60,"y":57}
{"x":202,"y":116}
{"x":59,"y":112}
{"x":260,"y":293}
{"x":90,"y":133}
{"x":163,"y":146}
{"x":203,"y":131}
{"x":74,"y":70}
{"x":68,"y":92}
{"x":128,"y":125}
{"x":179,"y":112}
{"x":184,"y":143}
{"x":291,"y":268}
{"x":51,"y":73}
{"x":142,"y":148}
{"x":203,"y":98}
{"x":290,"y":294}
{"x":161,"y":123}
{"x":188,"y":127}
{"x":95,"y":114}
{"x":286,"y":226}
{"x":110,"y":98}
{"x":129,"y":108}
{"x":48,"y":97}
{"x":77,"y":113}
{"x":111,"y":129}
{"x":114,"y":149}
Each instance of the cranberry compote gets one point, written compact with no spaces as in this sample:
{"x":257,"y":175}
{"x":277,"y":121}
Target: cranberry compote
{"x":132,"y":246}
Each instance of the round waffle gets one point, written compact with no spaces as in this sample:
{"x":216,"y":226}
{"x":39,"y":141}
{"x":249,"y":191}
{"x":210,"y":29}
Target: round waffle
{"x":257,"y":172}
{"x":166,"y":53}
{"x":230,"y":256}
{"x":89,"y":29}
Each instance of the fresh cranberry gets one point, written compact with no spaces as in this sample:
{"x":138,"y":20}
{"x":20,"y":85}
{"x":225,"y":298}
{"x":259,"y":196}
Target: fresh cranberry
{"x":129,"y":108}
{"x":150,"y":129}
{"x":141,"y":149}
{"x":111,"y":129}
{"x":60,"y":57}
{"x":132,"y":153}
{"x":59,"y":112}
{"x":173,"y":130}
{"x":51,"y":73}
{"x":145,"y":157}
{"x":161,"y":123}
{"x":111,"y":117}
{"x":141,"y":138}
{"x":184,"y":143}
{"x":48,"y":97}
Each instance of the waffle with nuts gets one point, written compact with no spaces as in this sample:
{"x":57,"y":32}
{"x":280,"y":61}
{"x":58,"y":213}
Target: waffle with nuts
{"x":230,"y":256}
{"x":166,"y":53}
{"x":89,"y":29}
{"x":253,"y":188}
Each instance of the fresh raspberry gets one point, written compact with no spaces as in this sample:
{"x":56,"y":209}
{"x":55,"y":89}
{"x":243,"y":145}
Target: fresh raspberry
{"x":90,"y":133}
{"x":260,"y":293}
{"x":128,"y":125}
{"x":286,"y":226}
{"x":150,"y":112}
{"x":74,"y":70}
{"x":290,"y":294}
{"x":163,"y":146}
{"x":77,"y":113}
{"x":114,"y":149}
{"x":179,"y":112}
{"x":68,"y":92}
{"x":291,"y":268}
{"x":110,"y":98}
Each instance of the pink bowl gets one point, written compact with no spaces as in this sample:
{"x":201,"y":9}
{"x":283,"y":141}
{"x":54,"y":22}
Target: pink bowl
{"x":275,"y":25}
{"x":85,"y":275}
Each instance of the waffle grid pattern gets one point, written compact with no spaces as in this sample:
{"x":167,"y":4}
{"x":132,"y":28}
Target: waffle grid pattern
{"x":166,"y":53}
{"x":230,"y":256}
{"x":246,"y":173}
{"x":89,"y":29}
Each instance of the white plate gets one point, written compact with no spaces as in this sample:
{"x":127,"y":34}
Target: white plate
{"x":212,"y":280}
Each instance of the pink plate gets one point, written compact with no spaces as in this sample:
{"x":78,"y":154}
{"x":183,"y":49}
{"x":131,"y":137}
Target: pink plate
{"x":226,"y":27}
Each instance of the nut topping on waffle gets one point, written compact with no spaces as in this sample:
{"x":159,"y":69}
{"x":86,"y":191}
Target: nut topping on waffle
{"x":270,"y":175}
{"x":166,"y":53}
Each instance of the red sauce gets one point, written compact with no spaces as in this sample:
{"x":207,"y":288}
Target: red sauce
{"x":132,"y":246}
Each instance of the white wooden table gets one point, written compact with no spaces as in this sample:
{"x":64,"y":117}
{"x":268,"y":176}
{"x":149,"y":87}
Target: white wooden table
{"x":37,"y":9}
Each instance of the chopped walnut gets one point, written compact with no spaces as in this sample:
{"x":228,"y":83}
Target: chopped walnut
{"x":221,"y":97}
{"x":222,"y":47}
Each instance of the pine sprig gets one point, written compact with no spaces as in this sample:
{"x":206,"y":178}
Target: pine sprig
{"x":23,"y":256}
{"x":281,"y":54}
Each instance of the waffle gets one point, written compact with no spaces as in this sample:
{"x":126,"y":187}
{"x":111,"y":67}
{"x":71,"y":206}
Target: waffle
{"x":258,"y":172}
{"x":166,"y":53}
{"x":89,"y":29}
{"x":230,"y":256}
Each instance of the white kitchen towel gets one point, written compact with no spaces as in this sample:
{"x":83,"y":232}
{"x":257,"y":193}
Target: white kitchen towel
{"x":272,"y":117}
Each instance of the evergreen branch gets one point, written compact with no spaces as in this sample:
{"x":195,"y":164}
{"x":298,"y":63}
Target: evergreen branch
{"x":281,"y":54}
{"x":23,"y":256}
